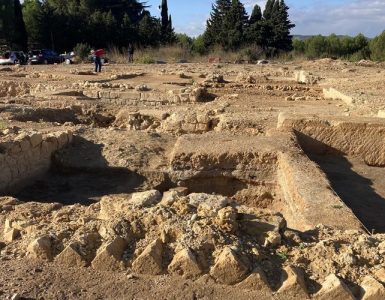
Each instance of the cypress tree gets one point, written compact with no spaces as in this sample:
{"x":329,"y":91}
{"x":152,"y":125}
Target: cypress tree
{"x":164,"y":15}
{"x":268,"y":12}
{"x":12,"y":24}
{"x":167,"y":31}
{"x":256,"y":15}
{"x":256,"y":32}
{"x":282,"y":27}
{"x":20,"y":38}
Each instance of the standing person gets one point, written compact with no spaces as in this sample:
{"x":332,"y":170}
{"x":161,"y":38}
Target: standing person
{"x":131,"y":51}
{"x":98,"y":59}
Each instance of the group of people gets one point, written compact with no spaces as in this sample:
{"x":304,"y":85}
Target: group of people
{"x":99,"y":53}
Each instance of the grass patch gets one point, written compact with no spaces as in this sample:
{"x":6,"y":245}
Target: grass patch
{"x":283,"y":255}
{"x":337,"y":206}
{"x":3,"y":125}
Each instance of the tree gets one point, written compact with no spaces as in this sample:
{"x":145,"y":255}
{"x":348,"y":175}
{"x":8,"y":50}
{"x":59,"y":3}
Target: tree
{"x":20,"y":38}
{"x":167,"y":31}
{"x":149,"y":30}
{"x":12,"y":27}
{"x":214,"y":33}
{"x":283,"y":26}
{"x":235,"y":25}
{"x":256,"y":33}
{"x":377,"y":47}
{"x":269,"y":7}
{"x":256,"y":15}
{"x":32,"y":15}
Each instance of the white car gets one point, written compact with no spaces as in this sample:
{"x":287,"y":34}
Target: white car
{"x":12,"y":58}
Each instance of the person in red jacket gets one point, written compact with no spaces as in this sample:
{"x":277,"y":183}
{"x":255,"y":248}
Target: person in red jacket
{"x":98,"y":59}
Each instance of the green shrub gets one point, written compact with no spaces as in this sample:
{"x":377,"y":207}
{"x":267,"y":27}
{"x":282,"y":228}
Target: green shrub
{"x":145,"y":59}
{"x":82,"y":51}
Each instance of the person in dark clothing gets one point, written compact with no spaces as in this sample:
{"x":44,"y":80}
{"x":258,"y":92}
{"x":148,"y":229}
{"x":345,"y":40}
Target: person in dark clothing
{"x":98,"y":59}
{"x":131,"y":51}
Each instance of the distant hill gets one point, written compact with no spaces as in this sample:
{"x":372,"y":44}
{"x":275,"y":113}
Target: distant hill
{"x":305,"y":37}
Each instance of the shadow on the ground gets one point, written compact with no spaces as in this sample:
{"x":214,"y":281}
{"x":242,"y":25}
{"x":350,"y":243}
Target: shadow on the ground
{"x":354,"y":189}
{"x":83,"y":177}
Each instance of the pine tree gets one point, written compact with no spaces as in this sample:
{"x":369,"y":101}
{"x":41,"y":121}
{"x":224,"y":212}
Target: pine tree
{"x":215,"y":30}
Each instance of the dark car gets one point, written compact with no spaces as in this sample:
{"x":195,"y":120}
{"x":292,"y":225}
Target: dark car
{"x":44,"y":56}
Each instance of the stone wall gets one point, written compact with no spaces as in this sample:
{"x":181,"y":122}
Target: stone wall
{"x":309,"y":198}
{"x":333,"y":94}
{"x":27,"y":156}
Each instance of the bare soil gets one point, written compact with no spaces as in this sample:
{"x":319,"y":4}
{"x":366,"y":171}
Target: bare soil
{"x":223,"y":177}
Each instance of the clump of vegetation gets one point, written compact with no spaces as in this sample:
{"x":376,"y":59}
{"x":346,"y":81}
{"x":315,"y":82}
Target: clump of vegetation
{"x":82,"y":51}
{"x":283,"y":255}
{"x":3,"y":125}
{"x":333,"y":46}
{"x":145,"y":59}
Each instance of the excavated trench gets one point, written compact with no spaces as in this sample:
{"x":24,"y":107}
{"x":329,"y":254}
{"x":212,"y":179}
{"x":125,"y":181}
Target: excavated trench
{"x":75,"y":186}
{"x":81,"y":174}
{"x":352,"y":174}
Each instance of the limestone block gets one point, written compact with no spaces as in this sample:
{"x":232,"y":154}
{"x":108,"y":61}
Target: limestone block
{"x":109,"y":256}
{"x":381,"y":113}
{"x":332,"y":93}
{"x":146,"y":199}
{"x":62,"y":139}
{"x":150,"y":262}
{"x":70,"y":257}
{"x":293,"y":284}
{"x":185,"y":264}
{"x":41,"y":248}
{"x":372,"y":289}
{"x":11,"y":234}
{"x":229,"y":268}
{"x":305,"y":77}
{"x":255,"y":281}
{"x":334,"y":288}
{"x":380,"y":275}
{"x":273,"y":239}
{"x":208,"y":205}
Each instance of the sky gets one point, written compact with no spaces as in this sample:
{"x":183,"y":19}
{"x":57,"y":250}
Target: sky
{"x":345,"y":17}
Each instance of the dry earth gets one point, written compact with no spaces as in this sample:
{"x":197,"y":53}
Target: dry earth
{"x":193,"y":181}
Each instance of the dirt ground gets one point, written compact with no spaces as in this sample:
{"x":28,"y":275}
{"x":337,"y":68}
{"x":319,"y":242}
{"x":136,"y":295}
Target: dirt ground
{"x":179,"y":169}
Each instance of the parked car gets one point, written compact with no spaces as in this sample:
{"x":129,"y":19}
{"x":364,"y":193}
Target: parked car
{"x":69,"y":58}
{"x":44,"y":56}
{"x":12,"y":58}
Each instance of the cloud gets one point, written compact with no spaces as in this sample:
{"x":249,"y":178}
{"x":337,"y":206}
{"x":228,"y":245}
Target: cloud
{"x":350,"y":18}
{"x":314,"y":17}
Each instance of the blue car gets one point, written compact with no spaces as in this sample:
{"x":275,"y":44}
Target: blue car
{"x":44,"y":56}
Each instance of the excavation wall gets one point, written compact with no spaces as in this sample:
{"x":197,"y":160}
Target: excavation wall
{"x":244,"y":167}
{"x":365,"y":138}
{"x":27,"y":156}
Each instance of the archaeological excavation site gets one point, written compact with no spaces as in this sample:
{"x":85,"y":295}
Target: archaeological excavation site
{"x":193,"y":181}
